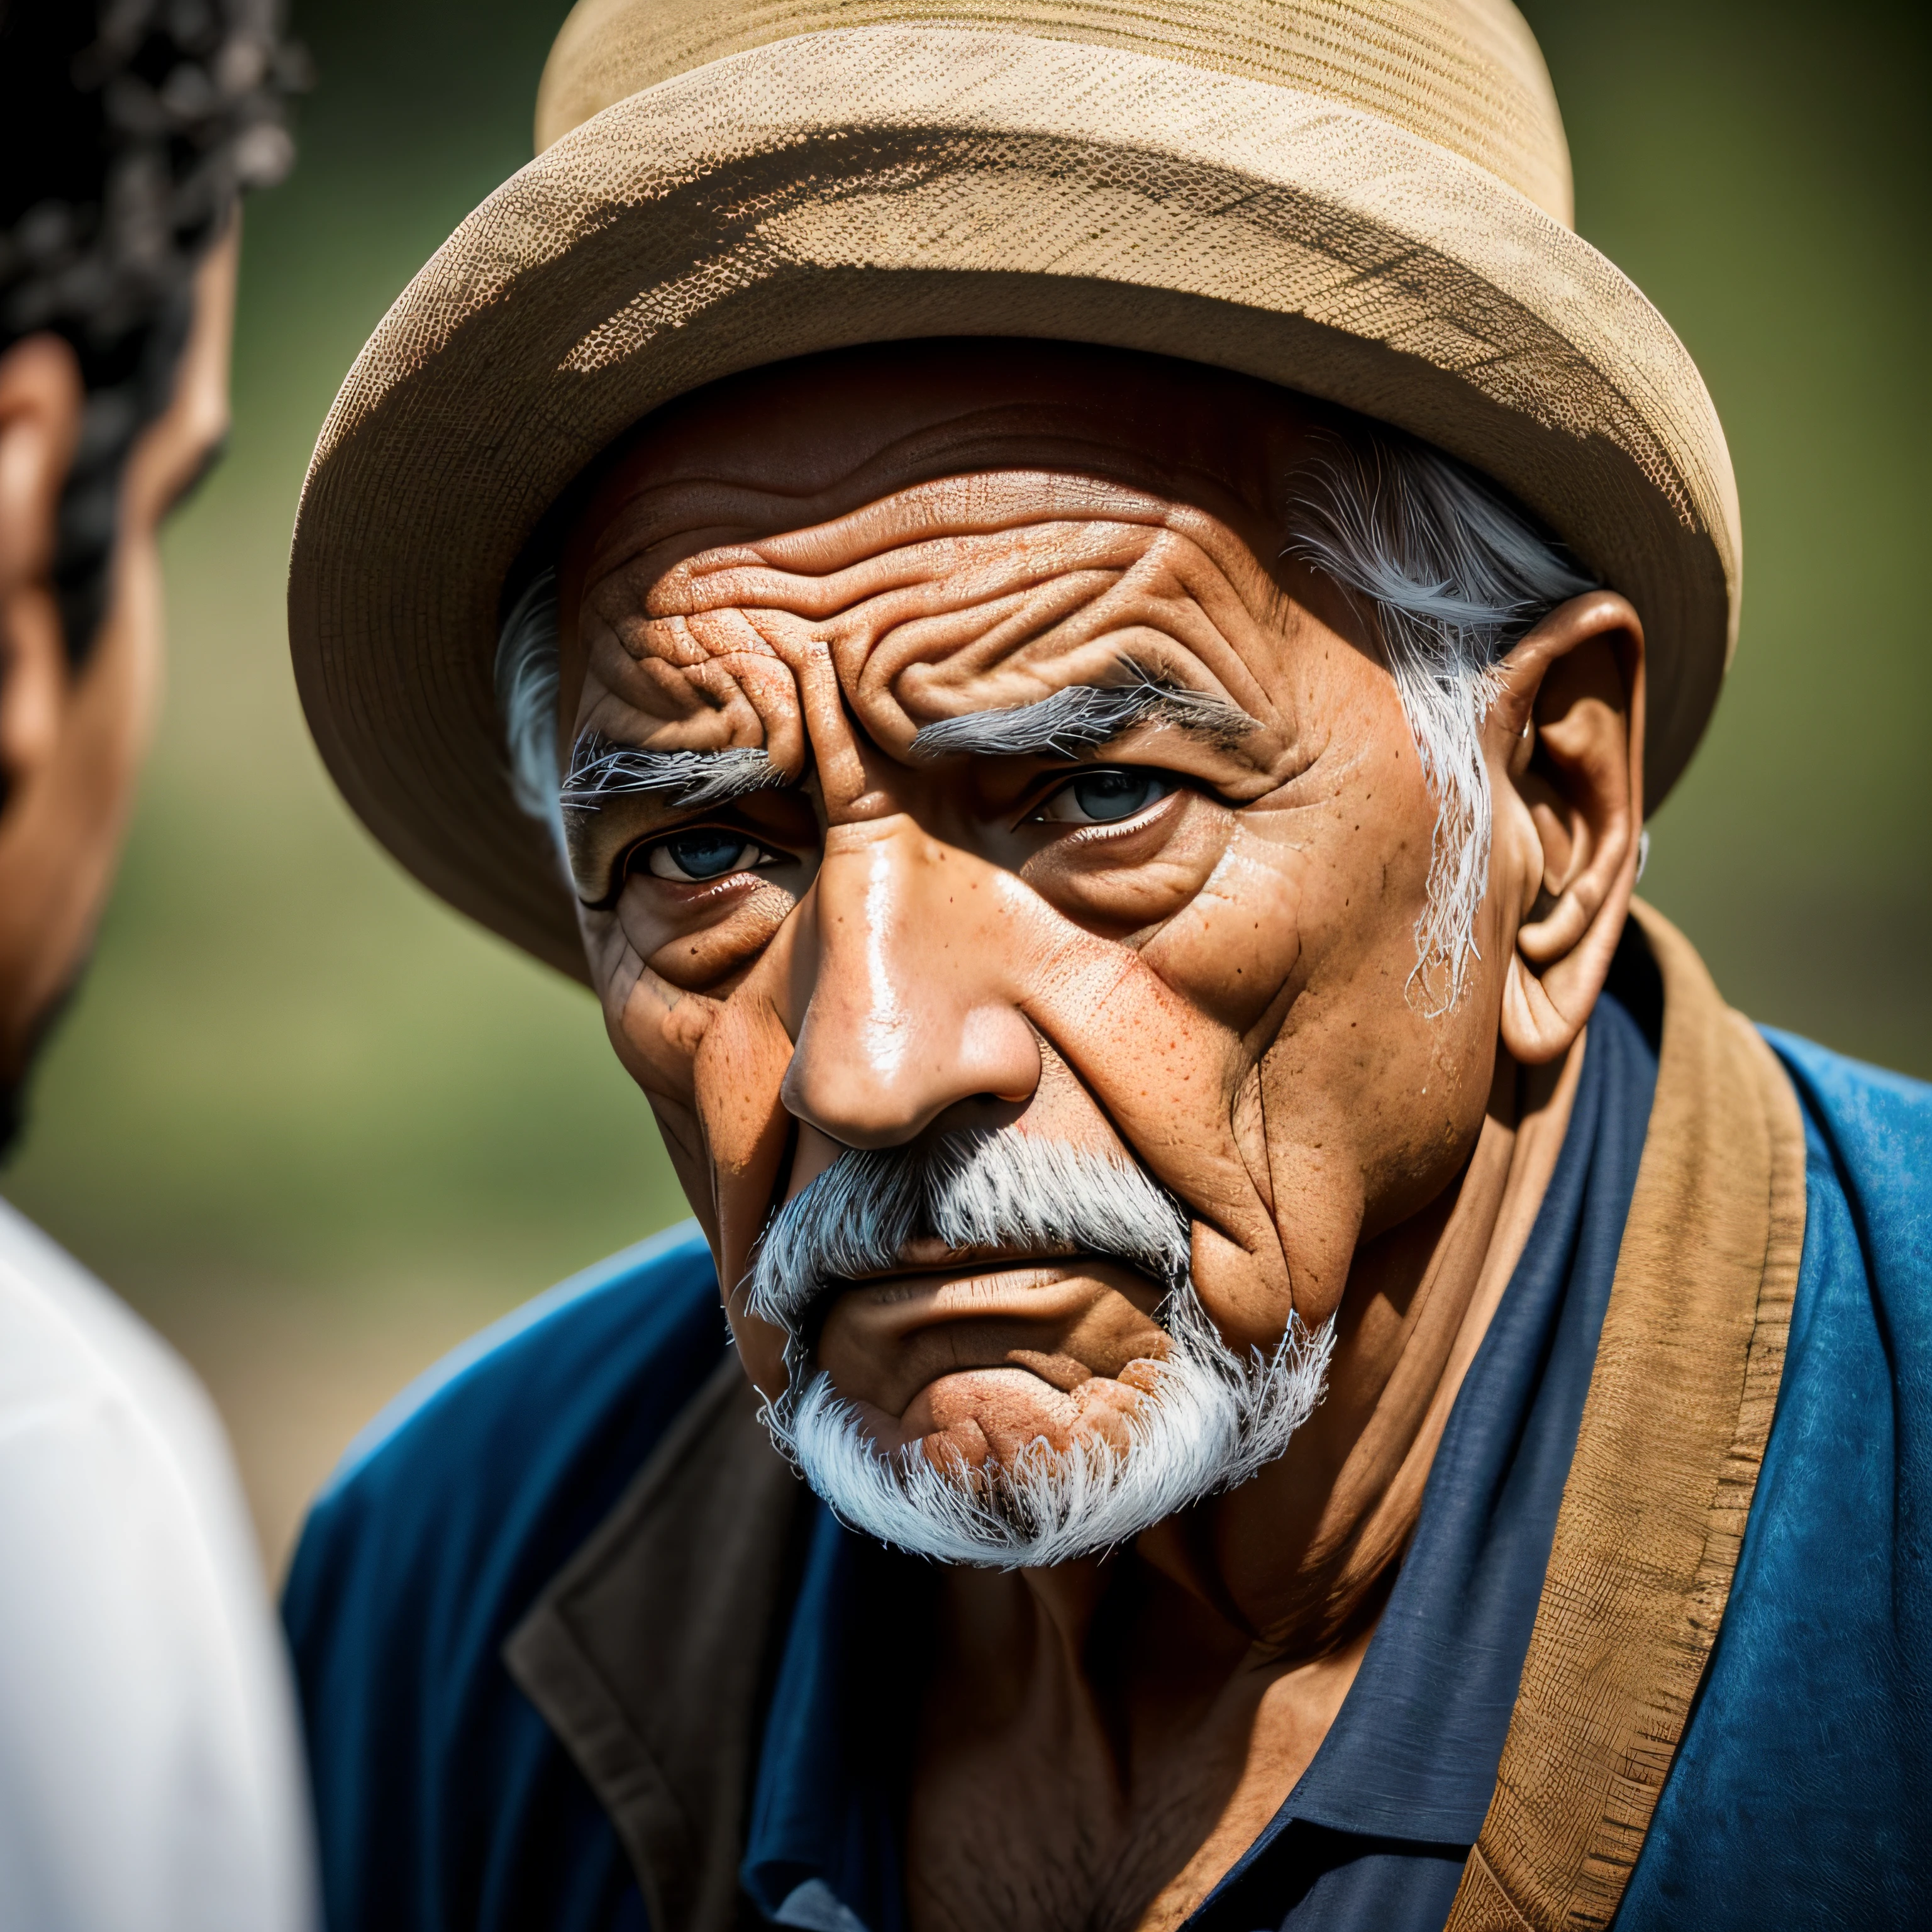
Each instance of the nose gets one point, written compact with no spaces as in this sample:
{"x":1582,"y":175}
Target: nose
{"x":909,"y":1006}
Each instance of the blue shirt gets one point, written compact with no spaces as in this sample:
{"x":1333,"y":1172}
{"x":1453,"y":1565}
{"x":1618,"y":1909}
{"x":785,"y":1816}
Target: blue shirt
{"x":1799,"y":1792}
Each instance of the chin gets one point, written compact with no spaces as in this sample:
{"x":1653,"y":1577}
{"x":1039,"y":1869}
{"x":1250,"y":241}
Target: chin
{"x":1206,"y":1421}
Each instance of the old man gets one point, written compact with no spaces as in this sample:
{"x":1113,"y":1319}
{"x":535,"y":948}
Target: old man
{"x":1071,"y":619}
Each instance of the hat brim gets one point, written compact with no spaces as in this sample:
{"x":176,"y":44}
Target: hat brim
{"x":888,"y":183}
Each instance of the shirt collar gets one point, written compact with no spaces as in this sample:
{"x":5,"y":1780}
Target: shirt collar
{"x":828,"y":1811}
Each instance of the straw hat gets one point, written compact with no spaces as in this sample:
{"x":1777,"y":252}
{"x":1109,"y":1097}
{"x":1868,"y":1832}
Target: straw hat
{"x":1366,"y":200}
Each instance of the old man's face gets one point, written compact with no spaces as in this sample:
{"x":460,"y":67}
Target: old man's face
{"x":979,"y":821}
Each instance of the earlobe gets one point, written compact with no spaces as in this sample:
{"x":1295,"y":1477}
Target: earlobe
{"x":1572,"y":702}
{"x":1535,"y":1028}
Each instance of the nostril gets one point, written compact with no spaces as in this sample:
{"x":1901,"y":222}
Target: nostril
{"x":998,"y":1046}
{"x":841,"y":1082}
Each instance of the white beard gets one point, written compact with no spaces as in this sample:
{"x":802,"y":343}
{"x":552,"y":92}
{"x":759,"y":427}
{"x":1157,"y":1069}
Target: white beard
{"x":1212,"y":1419}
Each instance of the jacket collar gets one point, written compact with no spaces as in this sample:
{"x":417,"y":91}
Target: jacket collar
{"x":649,"y":1654}
{"x":1673,"y":1435}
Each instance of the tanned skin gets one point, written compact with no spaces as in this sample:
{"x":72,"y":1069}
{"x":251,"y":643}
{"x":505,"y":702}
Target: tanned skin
{"x":72,"y":746}
{"x":819,"y":560}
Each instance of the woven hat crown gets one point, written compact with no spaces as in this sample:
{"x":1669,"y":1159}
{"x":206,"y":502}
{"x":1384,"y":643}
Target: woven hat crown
{"x":1465,"y":74}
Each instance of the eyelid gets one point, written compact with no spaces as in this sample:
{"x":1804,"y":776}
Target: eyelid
{"x":637,"y":858}
{"x":1171,"y":782}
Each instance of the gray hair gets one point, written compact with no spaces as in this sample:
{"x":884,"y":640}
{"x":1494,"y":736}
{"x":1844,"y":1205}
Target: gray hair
{"x":1451,"y":575}
{"x":972,"y":1191}
{"x":528,"y":672}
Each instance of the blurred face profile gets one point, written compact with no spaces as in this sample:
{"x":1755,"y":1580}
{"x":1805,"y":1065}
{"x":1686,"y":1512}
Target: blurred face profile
{"x":72,"y":741}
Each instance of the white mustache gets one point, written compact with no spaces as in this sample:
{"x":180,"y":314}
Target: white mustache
{"x":1003,"y":1191}
{"x":1214,"y":1417}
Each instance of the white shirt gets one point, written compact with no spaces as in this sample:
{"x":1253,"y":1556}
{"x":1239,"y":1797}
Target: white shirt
{"x":150,"y":1772}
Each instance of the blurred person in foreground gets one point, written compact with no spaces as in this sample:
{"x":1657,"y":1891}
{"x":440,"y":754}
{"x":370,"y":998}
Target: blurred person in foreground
{"x":149,"y":1761}
{"x":1071,"y":617}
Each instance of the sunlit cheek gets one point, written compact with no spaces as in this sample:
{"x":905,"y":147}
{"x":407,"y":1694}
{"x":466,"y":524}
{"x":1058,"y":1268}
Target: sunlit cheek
{"x":1237,"y":944}
{"x":737,"y":1074}
{"x":1367,"y":879}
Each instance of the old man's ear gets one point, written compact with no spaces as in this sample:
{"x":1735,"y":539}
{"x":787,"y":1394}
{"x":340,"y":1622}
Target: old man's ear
{"x":1568,"y":727}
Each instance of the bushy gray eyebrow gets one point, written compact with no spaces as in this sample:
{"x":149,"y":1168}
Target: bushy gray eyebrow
{"x":600,"y":768}
{"x":1064,"y":725}
{"x":1083,"y":716}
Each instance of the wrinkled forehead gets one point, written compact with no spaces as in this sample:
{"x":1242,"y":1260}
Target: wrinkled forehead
{"x":917,"y":537}
{"x":800,"y":443}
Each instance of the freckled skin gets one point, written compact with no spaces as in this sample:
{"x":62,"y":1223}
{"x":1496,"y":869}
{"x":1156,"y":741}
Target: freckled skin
{"x":819,"y":561}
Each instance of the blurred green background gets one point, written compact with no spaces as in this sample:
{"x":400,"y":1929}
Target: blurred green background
{"x":317,"y":1128}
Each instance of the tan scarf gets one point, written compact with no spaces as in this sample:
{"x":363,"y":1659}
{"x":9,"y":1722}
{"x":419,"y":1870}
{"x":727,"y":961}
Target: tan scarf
{"x":1673,"y":1435}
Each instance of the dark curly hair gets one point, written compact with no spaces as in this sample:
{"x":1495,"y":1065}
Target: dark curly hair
{"x":128,"y":130}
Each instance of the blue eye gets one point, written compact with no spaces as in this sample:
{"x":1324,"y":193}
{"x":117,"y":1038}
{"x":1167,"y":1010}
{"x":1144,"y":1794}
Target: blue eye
{"x":1105,"y":797}
{"x":708,"y":853}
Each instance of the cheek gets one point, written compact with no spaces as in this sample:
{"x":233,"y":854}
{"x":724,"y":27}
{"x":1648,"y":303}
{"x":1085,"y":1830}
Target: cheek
{"x":1361,"y":874}
{"x":1370,"y":1098}
{"x":656,"y":1028}
{"x":760,"y":1351}
{"x":713,"y":1069}
{"x":737,"y":1074}
{"x":1237,"y":943}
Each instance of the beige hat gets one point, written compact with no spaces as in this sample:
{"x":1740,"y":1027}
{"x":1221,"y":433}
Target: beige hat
{"x":1366,"y":200}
